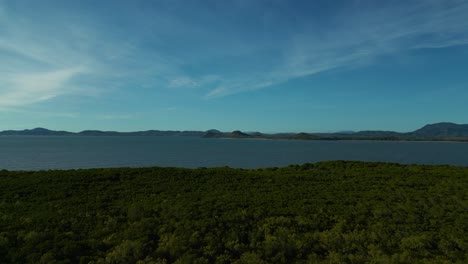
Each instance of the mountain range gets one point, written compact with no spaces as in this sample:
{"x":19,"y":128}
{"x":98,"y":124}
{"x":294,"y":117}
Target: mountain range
{"x":46,"y":132}
{"x":437,"y":131}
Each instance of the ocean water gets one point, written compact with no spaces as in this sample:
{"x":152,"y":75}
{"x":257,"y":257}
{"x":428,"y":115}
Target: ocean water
{"x":55,"y":152}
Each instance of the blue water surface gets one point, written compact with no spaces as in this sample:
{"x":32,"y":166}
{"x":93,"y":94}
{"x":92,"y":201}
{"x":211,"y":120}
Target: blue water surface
{"x":71,"y":152}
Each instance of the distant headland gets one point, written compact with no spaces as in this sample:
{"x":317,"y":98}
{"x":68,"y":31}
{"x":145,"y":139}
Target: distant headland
{"x":444,"y":131}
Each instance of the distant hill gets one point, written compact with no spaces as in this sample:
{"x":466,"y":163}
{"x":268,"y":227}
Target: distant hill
{"x":213,"y":133}
{"x":47,"y":132}
{"x":234,"y":134}
{"x":98,"y":133}
{"x":305,"y":136}
{"x":238,"y":133}
{"x":35,"y":132}
{"x":438,"y":131}
{"x":442,"y":130}
{"x":377,"y":133}
{"x":345,"y":132}
{"x":141,"y":133}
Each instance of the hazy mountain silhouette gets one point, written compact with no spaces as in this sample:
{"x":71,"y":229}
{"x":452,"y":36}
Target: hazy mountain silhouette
{"x":438,"y":131}
{"x":442,"y":130}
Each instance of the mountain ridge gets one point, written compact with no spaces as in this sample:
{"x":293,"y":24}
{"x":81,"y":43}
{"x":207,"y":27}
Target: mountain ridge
{"x":435,"y":131}
{"x":39,"y":131}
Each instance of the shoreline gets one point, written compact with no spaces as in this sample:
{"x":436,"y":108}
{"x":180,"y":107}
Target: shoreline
{"x":462,"y":140}
{"x":360,"y":162}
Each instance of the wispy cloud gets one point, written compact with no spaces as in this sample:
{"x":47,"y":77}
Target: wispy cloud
{"x":27,"y":88}
{"x":219,"y":91}
{"x":51,"y":57}
{"x":40,"y":113}
{"x":360,"y":35}
{"x":67,"y":54}
{"x":35,"y":67}
{"x":183,"y":82}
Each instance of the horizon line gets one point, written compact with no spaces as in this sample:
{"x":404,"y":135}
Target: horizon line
{"x":207,"y":130}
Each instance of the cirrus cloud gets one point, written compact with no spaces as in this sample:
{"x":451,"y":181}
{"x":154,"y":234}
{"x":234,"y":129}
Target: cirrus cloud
{"x":27,"y":88}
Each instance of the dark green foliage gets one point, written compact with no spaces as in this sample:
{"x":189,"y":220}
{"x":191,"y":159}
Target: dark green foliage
{"x":330,"y":212}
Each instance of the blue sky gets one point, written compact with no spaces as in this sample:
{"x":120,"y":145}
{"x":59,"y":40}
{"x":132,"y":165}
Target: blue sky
{"x":271,"y":66}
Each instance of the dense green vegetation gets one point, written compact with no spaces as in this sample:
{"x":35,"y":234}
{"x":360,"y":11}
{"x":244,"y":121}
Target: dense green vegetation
{"x":330,"y":212}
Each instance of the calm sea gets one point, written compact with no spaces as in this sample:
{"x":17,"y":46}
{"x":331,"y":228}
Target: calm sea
{"x":50,"y":152}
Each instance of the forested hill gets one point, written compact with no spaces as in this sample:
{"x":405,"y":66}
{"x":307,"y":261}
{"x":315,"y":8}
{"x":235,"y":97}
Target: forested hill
{"x":330,"y":212}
